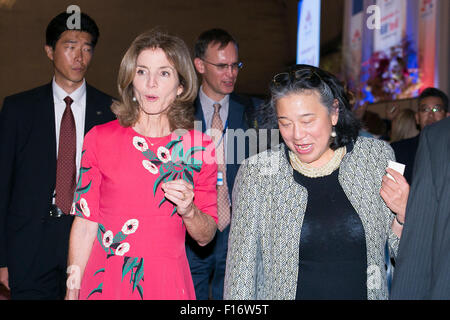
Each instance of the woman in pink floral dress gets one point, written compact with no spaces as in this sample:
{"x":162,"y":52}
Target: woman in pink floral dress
{"x":145,"y":180}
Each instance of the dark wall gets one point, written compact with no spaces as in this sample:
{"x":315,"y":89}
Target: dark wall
{"x":265,"y":29}
{"x":267,"y":39}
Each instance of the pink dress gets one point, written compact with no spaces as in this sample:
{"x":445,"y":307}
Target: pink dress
{"x":139,"y":252}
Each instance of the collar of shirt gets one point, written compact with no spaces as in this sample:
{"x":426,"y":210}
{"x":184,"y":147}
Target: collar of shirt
{"x":208,"y":107}
{"x":77,"y":96}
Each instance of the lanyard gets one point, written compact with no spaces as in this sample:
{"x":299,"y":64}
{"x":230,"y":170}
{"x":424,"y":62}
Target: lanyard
{"x":223,"y":134}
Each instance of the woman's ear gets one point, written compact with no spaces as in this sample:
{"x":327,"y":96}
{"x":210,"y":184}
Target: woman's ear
{"x":180,"y":90}
{"x":335,"y":112}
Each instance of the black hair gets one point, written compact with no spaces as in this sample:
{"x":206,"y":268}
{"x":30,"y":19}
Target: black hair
{"x":301,"y":78}
{"x":434,"y":92}
{"x":59,"y":24}
{"x":212,"y":36}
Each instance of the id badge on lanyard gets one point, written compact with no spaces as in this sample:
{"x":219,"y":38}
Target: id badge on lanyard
{"x":220,"y":173}
{"x":220,"y":178}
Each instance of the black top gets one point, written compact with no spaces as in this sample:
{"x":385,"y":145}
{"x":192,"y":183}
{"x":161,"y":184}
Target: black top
{"x":405,"y":152}
{"x":333,"y":254}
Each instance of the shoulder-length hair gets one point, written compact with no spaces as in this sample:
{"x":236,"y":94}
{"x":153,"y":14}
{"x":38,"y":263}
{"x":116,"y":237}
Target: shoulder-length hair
{"x":181,"y":112}
{"x":302,"y":78}
{"x":404,"y":125}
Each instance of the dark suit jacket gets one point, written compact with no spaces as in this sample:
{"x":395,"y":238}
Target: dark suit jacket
{"x":423,"y":263}
{"x":240,"y":116}
{"x":28,"y":165}
{"x":405,"y":152}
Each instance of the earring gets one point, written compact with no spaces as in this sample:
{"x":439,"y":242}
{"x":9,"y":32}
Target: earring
{"x":134,"y":99}
{"x":333,"y":132}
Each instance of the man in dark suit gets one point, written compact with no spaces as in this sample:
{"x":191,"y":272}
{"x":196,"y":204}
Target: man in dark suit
{"x":230,"y":116}
{"x":433,"y":107}
{"x":41,"y":136}
{"x":423,"y":263}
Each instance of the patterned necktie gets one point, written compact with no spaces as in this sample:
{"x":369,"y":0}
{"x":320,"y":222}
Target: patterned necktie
{"x":223,"y":204}
{"x":66,"y":165}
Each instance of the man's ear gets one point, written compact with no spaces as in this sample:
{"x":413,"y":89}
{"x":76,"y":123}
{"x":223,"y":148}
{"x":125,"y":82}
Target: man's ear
{"x":49,"y":51}
{"x":199,"y":65}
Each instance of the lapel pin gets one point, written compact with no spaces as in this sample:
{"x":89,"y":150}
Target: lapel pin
{"x":99,"y":113}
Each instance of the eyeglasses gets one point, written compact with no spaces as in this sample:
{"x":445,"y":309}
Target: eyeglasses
{"x":306,"y":72}
{"x":436,"y":108}
{"x":224,"y":66}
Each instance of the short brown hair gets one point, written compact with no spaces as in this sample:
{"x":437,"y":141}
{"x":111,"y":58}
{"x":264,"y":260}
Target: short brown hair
{"x":181,"y":112}
{"x":212,"y":37}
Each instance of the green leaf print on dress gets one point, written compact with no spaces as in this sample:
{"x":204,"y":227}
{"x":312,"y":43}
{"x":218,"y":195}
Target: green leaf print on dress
{"x":114,"y":245}
{"x":136,"y":267}
{"x":80,"y":207}
{"x":170,"y":162}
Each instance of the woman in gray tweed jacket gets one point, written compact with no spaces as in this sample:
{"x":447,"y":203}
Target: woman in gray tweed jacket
{"x":308,"y":219}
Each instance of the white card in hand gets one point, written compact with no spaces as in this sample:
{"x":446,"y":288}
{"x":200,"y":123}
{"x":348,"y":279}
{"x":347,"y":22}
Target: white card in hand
{"x":399,"y":167}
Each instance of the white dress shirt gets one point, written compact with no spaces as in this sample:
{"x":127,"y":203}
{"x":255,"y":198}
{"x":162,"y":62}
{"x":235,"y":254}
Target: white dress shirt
{"x":208,"y":112}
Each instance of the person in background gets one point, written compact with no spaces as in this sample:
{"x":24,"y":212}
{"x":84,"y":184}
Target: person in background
{"x":309,"y":221}
{"x":423,"y":264}
{"x":146,"y":179}
{"x":432,"y":107}
{"x":359,"y":111}
{"x":41,"y":139}
{"x":403,"y":125}
{"x":221,"y":112}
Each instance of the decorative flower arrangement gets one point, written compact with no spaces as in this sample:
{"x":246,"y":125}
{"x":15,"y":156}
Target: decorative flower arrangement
{"x":388,"y":75}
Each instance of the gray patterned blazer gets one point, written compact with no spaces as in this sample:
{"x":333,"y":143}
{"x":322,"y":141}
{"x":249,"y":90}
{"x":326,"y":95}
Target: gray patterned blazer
{"x":268,"y":211}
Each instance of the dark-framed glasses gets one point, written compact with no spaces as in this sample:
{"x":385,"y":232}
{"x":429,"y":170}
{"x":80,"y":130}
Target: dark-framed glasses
{"x":223,"y":66}
{"x":437,"y":108}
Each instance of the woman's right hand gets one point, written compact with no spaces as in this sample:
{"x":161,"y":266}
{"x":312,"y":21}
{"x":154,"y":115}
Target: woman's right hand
{"x":181,"y":193}
{"x":395,"y":193}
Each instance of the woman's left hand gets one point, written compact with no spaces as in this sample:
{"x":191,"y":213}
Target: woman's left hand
{"x":181,"y":193}
{"x":395,"y":193}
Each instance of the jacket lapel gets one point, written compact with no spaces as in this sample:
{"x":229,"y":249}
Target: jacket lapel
{"x":199,"y":116}
{"x":236,"y":114}
{"x":286,"y":228}
{"x":44,"y":118}
{"x":94,"y":114}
